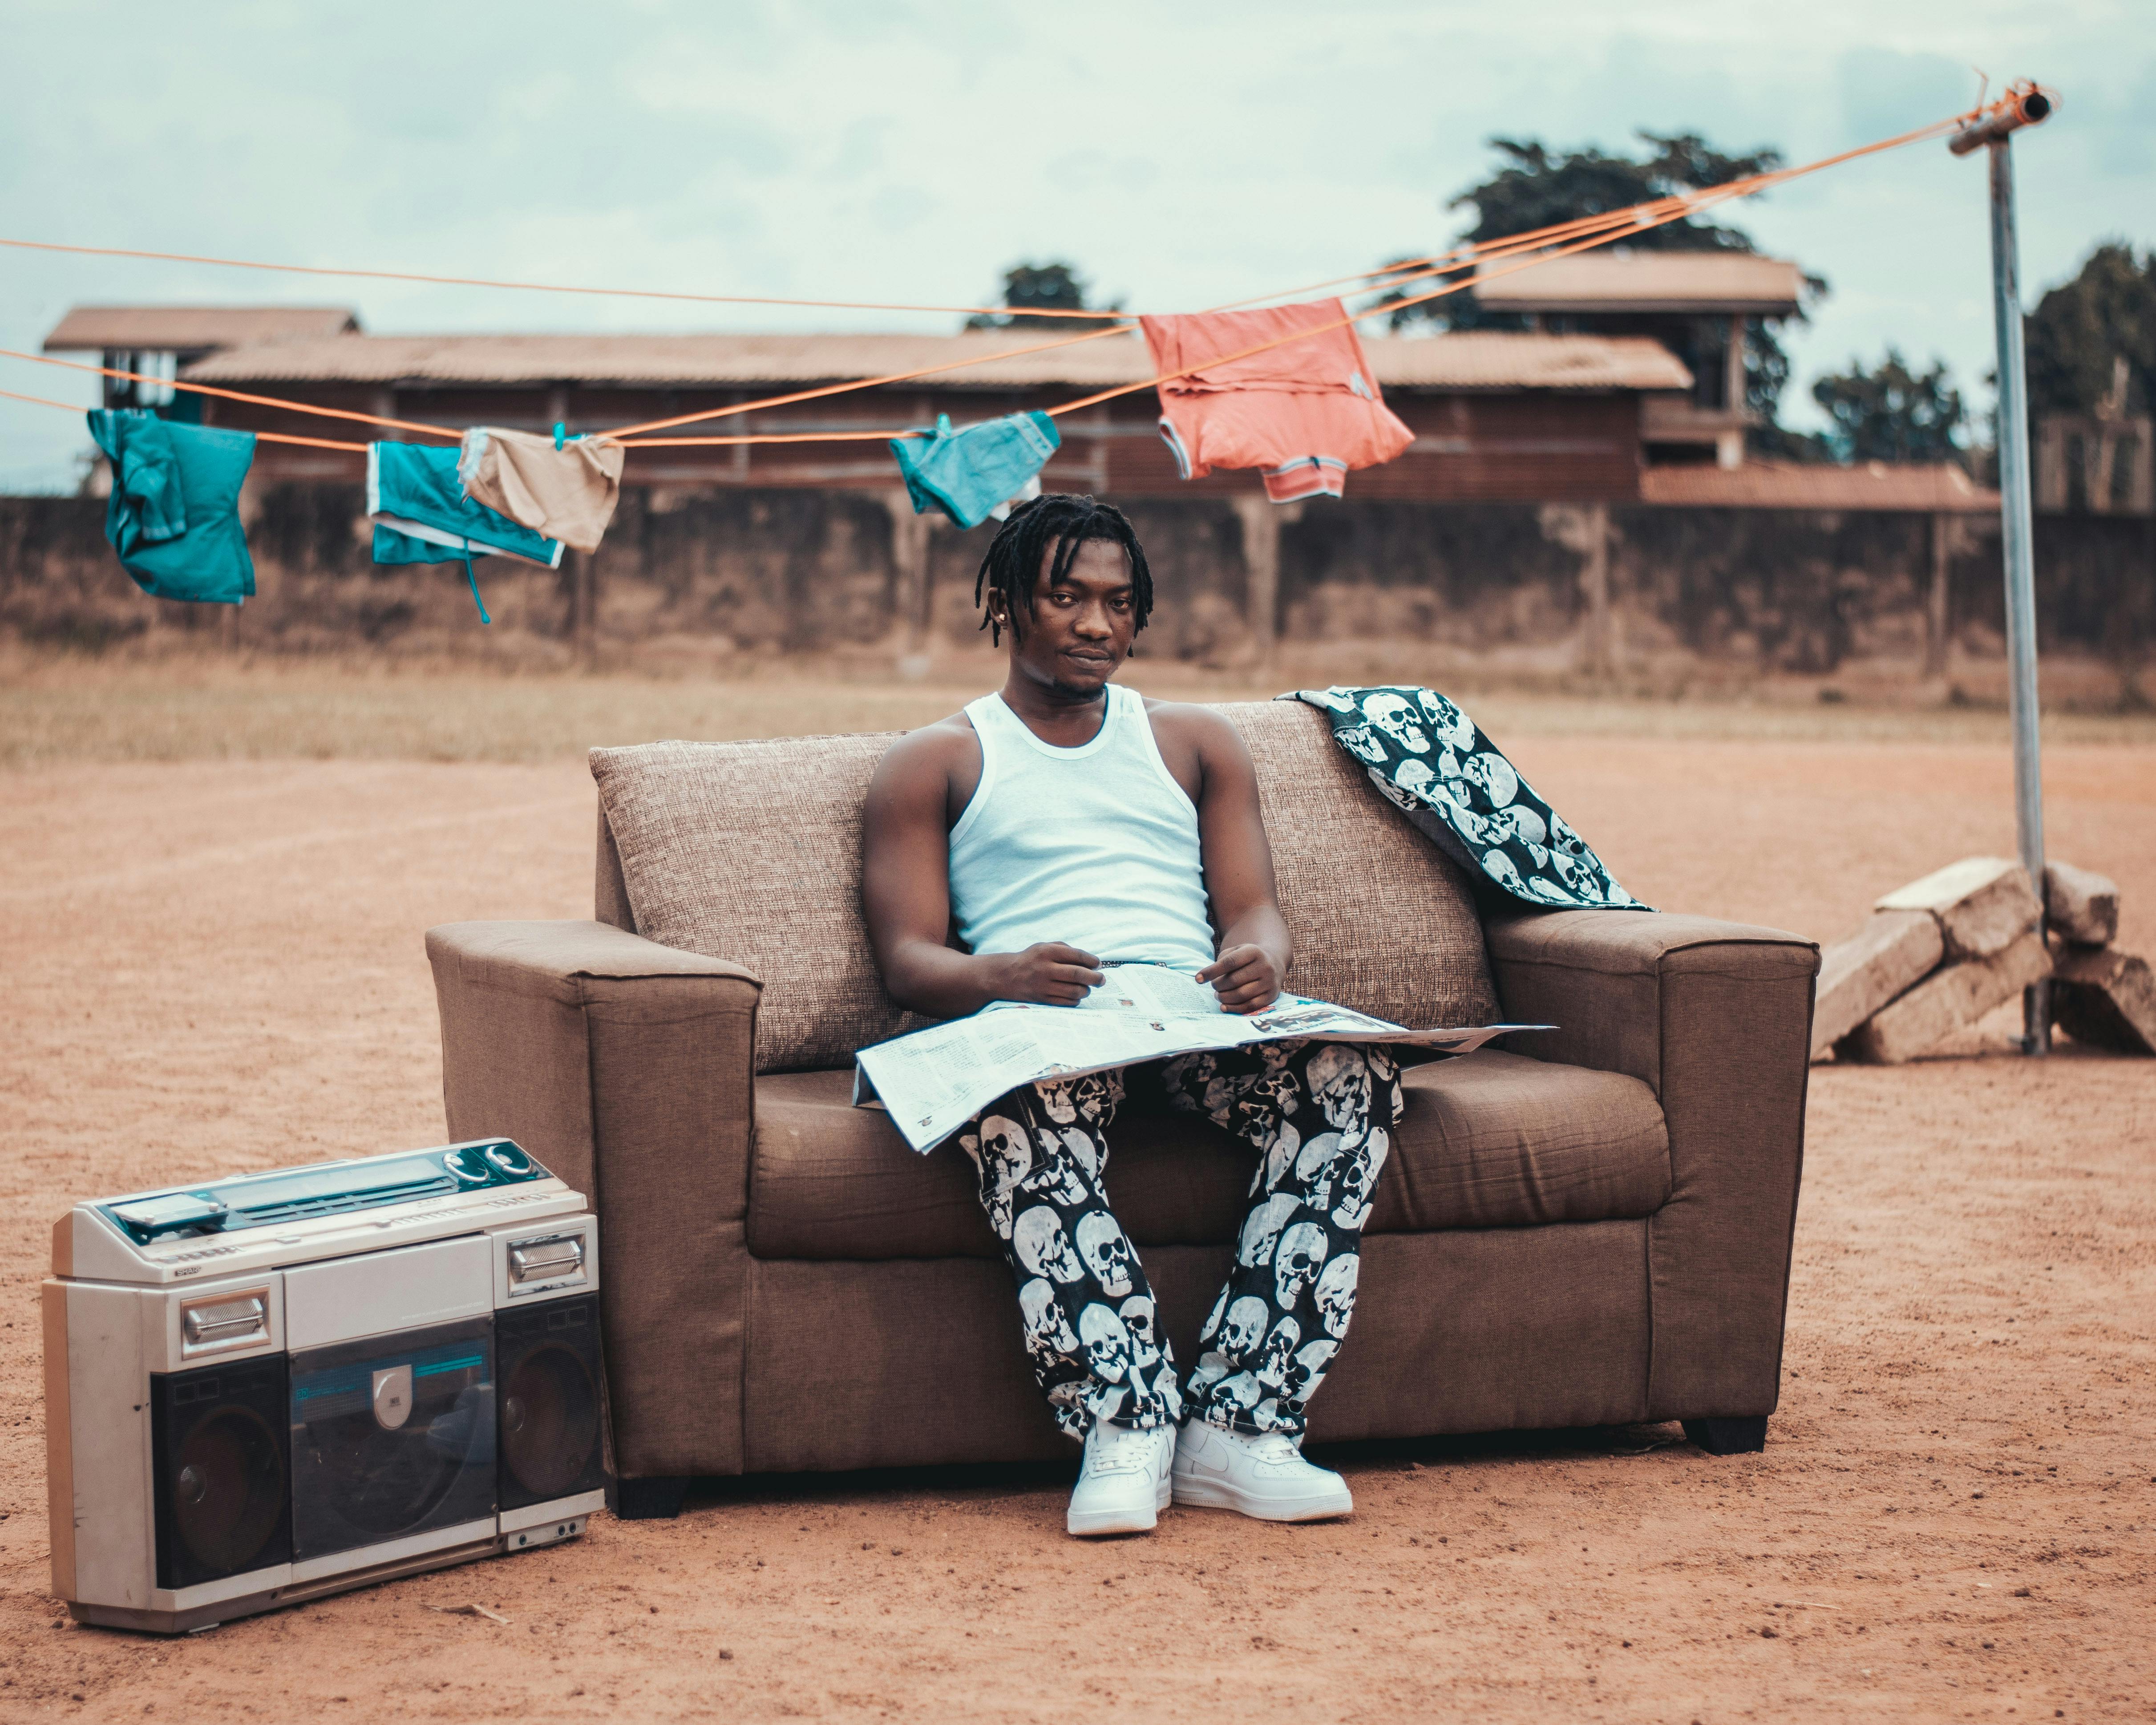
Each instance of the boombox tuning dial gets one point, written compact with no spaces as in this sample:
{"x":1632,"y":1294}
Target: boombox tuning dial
{"x":469,"y":1165}
{"x":510,"y":1160}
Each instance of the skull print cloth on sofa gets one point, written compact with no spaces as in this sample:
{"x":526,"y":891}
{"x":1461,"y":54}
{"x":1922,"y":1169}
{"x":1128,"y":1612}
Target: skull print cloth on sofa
{"x":1438,"y":767}
{"x":1318,"y":1115}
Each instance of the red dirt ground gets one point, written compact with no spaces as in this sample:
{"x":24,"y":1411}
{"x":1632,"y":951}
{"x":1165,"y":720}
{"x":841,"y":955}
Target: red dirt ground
{"x":218,"y":965}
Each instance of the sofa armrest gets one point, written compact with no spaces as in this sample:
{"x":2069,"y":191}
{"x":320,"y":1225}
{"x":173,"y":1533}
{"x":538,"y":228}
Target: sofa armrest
{"x":629,"y":1069}
{"x":1715,"y":1017}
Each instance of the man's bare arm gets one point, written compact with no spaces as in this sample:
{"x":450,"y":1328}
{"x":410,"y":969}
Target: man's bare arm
{"x":905,"y":891}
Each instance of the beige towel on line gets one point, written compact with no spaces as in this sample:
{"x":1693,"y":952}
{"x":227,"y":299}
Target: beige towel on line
{"x":567,"y":494}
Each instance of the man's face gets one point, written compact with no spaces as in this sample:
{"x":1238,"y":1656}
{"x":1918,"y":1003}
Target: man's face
{"x":1082,"y":627}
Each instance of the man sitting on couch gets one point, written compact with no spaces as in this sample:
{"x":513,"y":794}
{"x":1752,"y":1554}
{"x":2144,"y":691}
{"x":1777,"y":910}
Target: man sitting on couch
{"x":1066,"y":824}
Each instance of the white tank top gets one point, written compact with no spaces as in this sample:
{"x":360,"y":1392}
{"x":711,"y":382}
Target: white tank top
{"x":1096,"y":845}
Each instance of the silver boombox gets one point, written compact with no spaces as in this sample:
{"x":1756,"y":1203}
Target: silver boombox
{"x":265,"y":1388}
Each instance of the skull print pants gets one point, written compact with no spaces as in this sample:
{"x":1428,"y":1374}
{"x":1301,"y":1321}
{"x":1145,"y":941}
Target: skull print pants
{"x":1320,"y":1117}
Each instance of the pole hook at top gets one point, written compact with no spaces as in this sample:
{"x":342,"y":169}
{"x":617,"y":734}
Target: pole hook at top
{"x":2025,"y":103}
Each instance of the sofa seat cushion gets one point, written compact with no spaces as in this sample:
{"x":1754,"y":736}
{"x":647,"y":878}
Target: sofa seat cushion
{"x":1489,"y":1140}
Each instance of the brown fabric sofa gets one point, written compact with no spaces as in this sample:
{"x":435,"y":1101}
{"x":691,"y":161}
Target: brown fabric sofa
{"x":1592,"y":1226}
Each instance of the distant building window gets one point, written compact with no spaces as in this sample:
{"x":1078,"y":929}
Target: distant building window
{"x":163,"y":368}
{"x":151,"y":388}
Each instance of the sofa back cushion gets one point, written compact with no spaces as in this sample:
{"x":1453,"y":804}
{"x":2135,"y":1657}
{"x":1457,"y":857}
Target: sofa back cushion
{"x":752,"y":851}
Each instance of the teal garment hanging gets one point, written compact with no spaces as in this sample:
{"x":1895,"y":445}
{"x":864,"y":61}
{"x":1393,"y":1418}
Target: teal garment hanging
{"x":422,"y":515}
{"x":967,"y":473}
{"x":173,"y":516}
{"x":415,"y":489}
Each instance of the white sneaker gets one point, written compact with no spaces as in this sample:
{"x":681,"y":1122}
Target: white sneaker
{"x":1122,"y":1487}
{"x":1263,"y":1476}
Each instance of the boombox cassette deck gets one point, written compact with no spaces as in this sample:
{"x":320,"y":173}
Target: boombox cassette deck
{"x":265,"y":1389}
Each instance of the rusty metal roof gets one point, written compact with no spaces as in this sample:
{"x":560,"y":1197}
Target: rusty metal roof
{"x":1929,"y":487}
{"x":181,"y":329}
{"x":1487,"y":359}
{"x":1465,"y":361}
{"x":1737,"y":283}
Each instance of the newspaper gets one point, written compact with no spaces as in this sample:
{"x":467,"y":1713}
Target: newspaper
{"x":933,"y":1081}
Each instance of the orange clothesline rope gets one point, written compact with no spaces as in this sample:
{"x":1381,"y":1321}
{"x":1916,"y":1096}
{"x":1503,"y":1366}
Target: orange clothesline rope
{"x":548,"y":287}
{"x":1674,"y":209}
{"x":1591,"y":230}
{"x":324,"y":443}
{"x":1605,"y":226}
{"x":42,"y":401}
{"x":278,"y":437}
{"x":455,"y":434}
{"x":776,"y":437}
{"x":1605,"y":237}
{"x":1407,"y":269}
{"x":260,"y":401}
{"x":1392,"y":275}
{"x":1610,"y":226}
{"x":1597,"y":230}
{"x":624,"y":431}
{"x":266,"y":436}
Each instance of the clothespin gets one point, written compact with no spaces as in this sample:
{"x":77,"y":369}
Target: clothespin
{"x":559,"y":428}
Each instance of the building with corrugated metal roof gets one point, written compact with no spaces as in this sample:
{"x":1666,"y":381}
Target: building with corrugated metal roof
{"x":1696,"y":305}
{"x":1510,"y":416}
{"x":158,"y":341}
{"x":1568,"y":497}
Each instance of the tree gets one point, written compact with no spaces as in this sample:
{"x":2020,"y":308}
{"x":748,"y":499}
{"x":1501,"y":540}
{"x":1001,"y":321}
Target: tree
{"x":2078,"y":333}
{"x":1777,"y":442}
{"x":1538,"y":188}
{"x":1535,"y":187}
{"x":1891,"y":413}
{"x":1046,"y":287}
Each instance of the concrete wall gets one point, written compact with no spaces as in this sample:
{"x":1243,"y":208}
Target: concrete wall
{"x":1678,"y":596}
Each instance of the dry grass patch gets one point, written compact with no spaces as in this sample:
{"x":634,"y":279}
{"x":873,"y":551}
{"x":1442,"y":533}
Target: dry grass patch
{"x":57,"y":709}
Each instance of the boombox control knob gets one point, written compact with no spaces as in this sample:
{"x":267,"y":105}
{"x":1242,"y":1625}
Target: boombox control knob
{"x":510,"y":1160}
{"x":469,"y":1165}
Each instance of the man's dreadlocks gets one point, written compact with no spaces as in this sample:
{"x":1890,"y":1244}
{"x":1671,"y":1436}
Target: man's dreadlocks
{"x":1011,"y":567}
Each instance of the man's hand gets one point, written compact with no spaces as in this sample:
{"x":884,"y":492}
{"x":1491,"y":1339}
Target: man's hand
{"x":1245,"y":978}
{"x":1049,"y":974}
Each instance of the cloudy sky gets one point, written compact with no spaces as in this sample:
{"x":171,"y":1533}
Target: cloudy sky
{"x":1181,"y":155}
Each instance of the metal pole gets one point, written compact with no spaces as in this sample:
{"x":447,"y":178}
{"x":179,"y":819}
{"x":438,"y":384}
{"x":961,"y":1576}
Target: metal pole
{"x":2016,"y":535}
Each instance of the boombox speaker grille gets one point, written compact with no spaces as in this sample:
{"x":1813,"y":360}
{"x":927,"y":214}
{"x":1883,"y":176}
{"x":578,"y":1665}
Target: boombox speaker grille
{"x":549,"y":1417}
{"x":221,"y":1462}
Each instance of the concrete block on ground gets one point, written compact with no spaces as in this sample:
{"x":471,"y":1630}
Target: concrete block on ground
{"x":1984,"y":903}
{"x":1893,"y":952}
{"x":2105,"y":998}
{"x":1947,"y":1001}
{"x":2081,"y":904}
